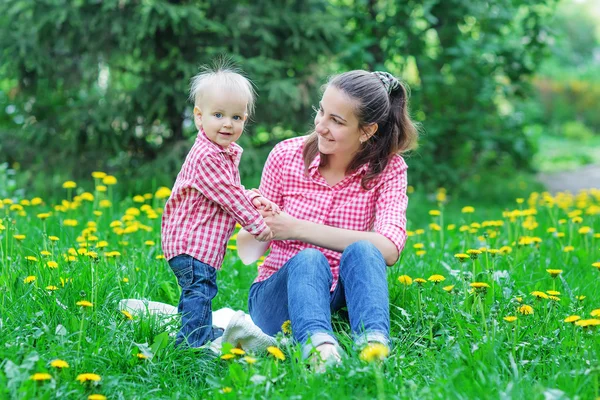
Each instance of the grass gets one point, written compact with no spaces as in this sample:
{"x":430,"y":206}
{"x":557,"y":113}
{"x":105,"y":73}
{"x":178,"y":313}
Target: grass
{"x":446,"y":343}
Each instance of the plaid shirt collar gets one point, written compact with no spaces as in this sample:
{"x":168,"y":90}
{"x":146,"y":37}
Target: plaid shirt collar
{"x":313,"y":169}
{"x":234,"y":150}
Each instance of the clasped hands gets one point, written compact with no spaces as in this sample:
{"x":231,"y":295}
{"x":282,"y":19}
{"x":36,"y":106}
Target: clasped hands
{"x":279,"y":223}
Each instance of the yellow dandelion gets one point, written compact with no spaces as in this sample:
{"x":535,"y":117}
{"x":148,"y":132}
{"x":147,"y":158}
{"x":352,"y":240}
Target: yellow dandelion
{"x":420,"y":281}
{"x":52,"y":264}
{"x":127,"y":314}
{"x":461,"y":257}
{"x":420,"y":231}
{"x":226,"y":389}
{"x":595,"y":313}
{"x":44,"y":216}
{"x":448,"y":288}
{"x":20,"y":238}
{"x":40,"y":376}
{"x":526,"y":310}
{"x":539,"y":295}
{"x":60,"y":364}
{"x":421,"y":253}
{"x":553,"y":292}
{"x":418,"y":246}
{"x":31,"y":258}
{"x":435,"y":213}
{"x":275,"y":352}
{"x":29,"y":279}
{"x":45,"y":253}
{"x":451,"y":227}
{"x":554,"y":272}
{"x":468,"y":210}
{"x":250,"y":360}
{"x":568,"y":249}
{"x":162,"y":192}
{"x":69,"y":185}
{"x":98,"y":174}
{"x":138,"y":199}
{"x":473,"y":253}
{"x":554,"y":298}
{"x":228,"y":356}
{"x":374,"y":352}
{"x":572,"y":318}
{"x":596,"y":265}
{"x":237,"y":352}
{"x":436,"y":278}
{"x":109,"y":180}
{"x":479,"y":285}
{"x":96,"y":396}
{"x":585,"y":323}
{"x":51,"y":288}
{"x":510,"y":318}
{"x":53,"y":238}
{"x":160,"y":257}
{"x":505,"y":249}
{"x":405,"y":280}
{"x":286,"y":327}
{"x":101,"y":188}
{"x":70,"y":222}
{"x":149,"y":243}
{"x":580,"y":298}
{"x":141,"y":356}
{"x":88,"y":377}
{"x":84,"y":303}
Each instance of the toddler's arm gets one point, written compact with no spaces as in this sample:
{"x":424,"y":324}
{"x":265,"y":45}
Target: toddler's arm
{"x":213,"y":180}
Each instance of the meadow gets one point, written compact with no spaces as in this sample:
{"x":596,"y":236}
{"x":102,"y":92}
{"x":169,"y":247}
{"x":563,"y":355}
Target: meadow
{"x":485,"y":303}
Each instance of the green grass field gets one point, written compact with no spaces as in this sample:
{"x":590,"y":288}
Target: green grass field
{"x":65,"y":267}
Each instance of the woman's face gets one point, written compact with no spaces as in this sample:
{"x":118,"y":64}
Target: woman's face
{"x":337,"y":124}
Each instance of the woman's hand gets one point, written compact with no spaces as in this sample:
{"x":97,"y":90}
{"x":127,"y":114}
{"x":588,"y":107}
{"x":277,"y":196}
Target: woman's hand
{"x":283,"y":225}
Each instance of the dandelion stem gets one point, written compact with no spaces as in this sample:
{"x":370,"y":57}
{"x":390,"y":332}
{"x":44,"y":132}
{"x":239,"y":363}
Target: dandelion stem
{"x":483,"y":322}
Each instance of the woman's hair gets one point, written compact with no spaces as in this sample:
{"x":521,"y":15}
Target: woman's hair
{"x":222,"y":75}
{"x":381,"y":99}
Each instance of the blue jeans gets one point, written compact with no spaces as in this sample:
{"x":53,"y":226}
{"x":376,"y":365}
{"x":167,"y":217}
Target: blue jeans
{"x":300,"y":292}
{"x":198,"y":283}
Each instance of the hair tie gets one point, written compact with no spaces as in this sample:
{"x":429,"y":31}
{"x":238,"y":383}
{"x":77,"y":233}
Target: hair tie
{"x":389,"y":81}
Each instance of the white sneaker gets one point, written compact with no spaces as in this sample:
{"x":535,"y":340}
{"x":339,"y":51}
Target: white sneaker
{"x":327,"y":355}
{"x":242,"y":332}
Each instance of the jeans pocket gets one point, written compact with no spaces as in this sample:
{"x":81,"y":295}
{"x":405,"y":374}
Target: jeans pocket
{"x":183,"y":268}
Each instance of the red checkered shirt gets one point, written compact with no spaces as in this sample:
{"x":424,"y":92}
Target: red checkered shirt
{"x":345,"y":205}
{"x":206,"y":202}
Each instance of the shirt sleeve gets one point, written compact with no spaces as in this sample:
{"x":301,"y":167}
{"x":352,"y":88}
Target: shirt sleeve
{"x":217,"y":185}
{"x":390,"y":210}
{"x":271,"y":180}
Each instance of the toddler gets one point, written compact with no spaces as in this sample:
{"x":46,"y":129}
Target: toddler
{"x":208,"y":199}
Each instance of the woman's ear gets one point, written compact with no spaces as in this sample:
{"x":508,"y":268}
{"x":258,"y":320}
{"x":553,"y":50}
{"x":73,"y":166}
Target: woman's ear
{"x":197,"y":117}
{"x":368,"y":131}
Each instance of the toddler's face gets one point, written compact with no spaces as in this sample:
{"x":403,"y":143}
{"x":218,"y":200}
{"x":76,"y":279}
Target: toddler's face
{"x":222,"y":115}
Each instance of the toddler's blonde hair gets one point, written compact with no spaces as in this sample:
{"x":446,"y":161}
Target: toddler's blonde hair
{"x":223,"y":75}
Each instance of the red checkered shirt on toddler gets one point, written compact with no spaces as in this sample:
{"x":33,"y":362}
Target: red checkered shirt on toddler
{"x":206,"y":202}
{"x":346,"y":205}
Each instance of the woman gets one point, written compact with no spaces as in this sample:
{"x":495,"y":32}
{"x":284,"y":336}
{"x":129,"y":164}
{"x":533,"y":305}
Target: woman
{"x":342,"y":192}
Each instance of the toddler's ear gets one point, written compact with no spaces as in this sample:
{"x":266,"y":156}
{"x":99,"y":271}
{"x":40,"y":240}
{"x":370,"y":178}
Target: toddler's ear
{"x":197,"y":117}
{"x":245,"y":117}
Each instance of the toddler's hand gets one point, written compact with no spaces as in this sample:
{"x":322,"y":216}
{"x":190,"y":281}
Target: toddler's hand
{"x":263,"y":204}
{"x":265,"y":236}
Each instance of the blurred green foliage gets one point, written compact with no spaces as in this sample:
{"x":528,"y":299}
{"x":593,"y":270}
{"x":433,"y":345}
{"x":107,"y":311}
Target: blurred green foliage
{"x":568,"y":81}
{"x":88,"y":85}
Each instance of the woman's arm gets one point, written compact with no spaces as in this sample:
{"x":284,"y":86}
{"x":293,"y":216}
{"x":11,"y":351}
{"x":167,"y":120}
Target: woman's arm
{"x":286,"y":227}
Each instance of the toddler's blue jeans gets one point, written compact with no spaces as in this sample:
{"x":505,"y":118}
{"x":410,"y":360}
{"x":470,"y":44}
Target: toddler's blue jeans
{"x":300,"y":292}
{"x":198,"y":283}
